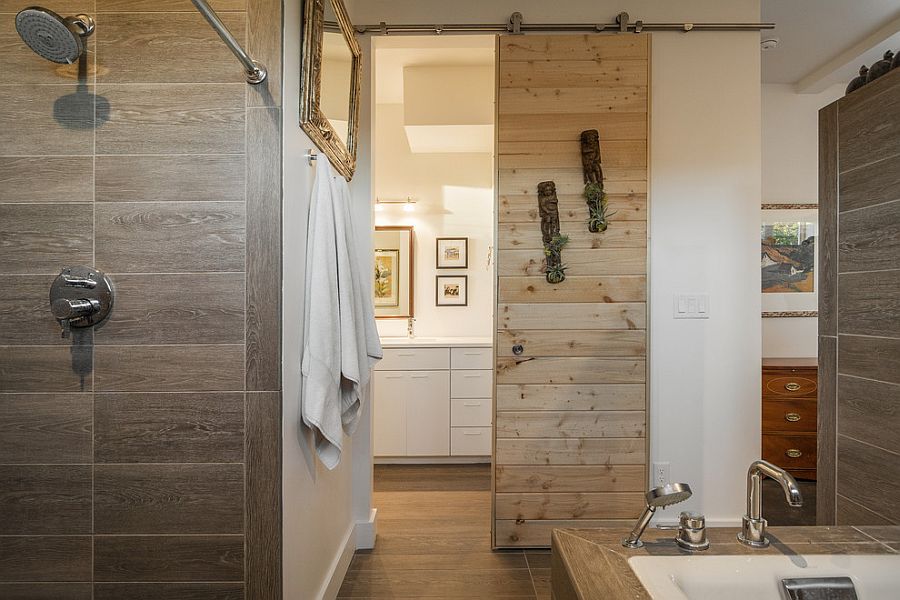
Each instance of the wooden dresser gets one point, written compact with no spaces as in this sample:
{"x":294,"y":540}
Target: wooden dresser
{"x":789,"y":387}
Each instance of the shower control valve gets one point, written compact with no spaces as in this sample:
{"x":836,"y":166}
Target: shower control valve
{"x":80,"y":297}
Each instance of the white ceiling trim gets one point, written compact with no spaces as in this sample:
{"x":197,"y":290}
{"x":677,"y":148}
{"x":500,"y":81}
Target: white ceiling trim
{"x":818,"y":79}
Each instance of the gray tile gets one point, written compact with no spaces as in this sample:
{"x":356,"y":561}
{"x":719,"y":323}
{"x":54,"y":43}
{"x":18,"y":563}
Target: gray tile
{"x":44,"y":238}
{"x":263,"y":493}
{"x":45,"y":591}
{"x":169,"y":368}
{"x":159,"y":428}
{"x":869,"y":476}
{"x":869,"y":239}
{"x":828,"y":219}
{"x":851,"y":513}
{"x":169,"y":558}
{"x":46,"y":179}
{"x":176,"y":309}
{"x":826,"y":455}
{"x":869,"y":357}
{"x":869,"y":303}
{"x":170,"y":237}
{"x":185,"y":49}
{"x":169,"y":591}
{"x":868,"y":125}
{"x":45,"y":558}
{"x":264,"y":250}
{"x":45,"y":368}
{"x":45,"y":428}
{"x":869,"y":411}
{"x":46,"y":119}
{"x":265,"y":16}
{"x":199,"y":178}
{"x":45,"y":499}
{"x":183,"y":499}
{"x":25,"y":316}
{"x":872,"y":184}
{"x":173,"y":119}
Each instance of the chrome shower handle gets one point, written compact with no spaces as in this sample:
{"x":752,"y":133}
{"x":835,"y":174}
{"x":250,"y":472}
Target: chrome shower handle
{"x":79,"y":282}
{"x":65,"y":310}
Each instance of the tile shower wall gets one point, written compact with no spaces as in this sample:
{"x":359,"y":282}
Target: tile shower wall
{"x":142,"y":459}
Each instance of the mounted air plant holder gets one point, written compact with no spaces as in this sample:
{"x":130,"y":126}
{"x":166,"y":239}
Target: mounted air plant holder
{"x":548,"y":205}
{"x":598,"y":217}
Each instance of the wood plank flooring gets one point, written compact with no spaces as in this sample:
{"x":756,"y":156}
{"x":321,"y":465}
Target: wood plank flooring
{"x":434,"y":541}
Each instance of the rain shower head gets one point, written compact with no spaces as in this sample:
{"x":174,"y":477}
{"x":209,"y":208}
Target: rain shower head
{"x":53,"y":37}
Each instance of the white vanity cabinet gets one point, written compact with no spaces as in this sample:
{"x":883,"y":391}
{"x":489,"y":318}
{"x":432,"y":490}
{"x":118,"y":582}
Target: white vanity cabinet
{"x":433,"y":401}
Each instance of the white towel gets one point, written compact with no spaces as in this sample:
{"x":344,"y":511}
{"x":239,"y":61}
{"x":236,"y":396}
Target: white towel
{"x":341,"y":341}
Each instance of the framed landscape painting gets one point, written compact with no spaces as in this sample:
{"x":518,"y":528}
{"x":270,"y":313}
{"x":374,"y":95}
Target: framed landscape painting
{"x":452,"y":290}
{"x":452,"y":253}
{"x":788,"y":257}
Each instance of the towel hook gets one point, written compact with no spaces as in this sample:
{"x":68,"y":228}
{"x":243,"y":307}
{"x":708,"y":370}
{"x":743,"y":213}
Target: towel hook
{"x":310,"y":155}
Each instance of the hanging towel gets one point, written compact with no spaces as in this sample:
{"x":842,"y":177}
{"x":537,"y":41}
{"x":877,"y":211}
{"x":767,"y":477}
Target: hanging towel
{"x":341,"y":342}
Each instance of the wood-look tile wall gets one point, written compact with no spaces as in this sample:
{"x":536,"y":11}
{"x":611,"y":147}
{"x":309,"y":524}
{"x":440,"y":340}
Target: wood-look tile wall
{"x":859,"y":306}
{"x":142,"y":459}
{"x":570,"y":412}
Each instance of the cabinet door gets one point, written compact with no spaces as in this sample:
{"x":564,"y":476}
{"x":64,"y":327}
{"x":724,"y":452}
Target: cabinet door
{"x":389,"y":413}
{"x":428,"y":413}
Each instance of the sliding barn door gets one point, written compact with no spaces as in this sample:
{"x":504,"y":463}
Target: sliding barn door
{"x":571,"y":408}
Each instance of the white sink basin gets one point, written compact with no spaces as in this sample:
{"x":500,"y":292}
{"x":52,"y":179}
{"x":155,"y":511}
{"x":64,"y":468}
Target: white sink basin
{"x":876,"y":577}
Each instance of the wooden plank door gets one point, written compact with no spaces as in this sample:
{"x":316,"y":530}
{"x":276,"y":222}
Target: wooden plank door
{"x":570,"y":420}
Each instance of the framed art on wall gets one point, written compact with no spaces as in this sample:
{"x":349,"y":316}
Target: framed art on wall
{"x":788,"y":256}
{"x":393,"y":274}
{"x":387,"y":277}
{"x":452,"y":290}
{"x":452,"y":253}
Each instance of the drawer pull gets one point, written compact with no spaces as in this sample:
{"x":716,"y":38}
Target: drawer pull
{"x":471,"y":403}
{"x":472,"y":353}
{"x":472,"y":376}
{"x":418,"y":376}
{"x":393,"y":376}
{"x":792,"y":417}
{"x":471,"y":433}
{"x":406,"y":354}
{"x":793,"y":453}
{"x":793,"y":386}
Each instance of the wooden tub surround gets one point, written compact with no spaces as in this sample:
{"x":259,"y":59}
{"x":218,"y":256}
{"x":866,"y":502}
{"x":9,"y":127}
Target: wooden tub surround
{"x":592,"y":563}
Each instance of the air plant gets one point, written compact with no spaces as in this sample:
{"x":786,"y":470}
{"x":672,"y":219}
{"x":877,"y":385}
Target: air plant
{"x":598,"y":217}
{"x":554,"y":268}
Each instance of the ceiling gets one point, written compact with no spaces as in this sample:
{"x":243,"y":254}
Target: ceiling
{"x":823,"y":42}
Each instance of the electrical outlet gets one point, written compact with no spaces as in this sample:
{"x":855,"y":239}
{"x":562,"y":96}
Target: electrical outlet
{"x":660,"y":474}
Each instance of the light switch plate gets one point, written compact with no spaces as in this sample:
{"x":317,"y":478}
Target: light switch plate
{"x":691,"y":306}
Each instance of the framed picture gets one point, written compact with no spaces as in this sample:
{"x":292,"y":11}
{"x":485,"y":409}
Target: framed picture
{"x":452,"y":290}
{"x":788,"y":258}
{"x":393,"y":285}
{"x":452,"y":253}
{"x":387,"y":282}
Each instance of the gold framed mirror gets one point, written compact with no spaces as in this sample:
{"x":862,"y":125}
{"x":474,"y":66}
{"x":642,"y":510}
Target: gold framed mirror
{"x":329,"y":82}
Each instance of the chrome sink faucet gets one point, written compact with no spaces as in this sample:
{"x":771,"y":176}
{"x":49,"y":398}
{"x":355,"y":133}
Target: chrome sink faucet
{"x":753,"y":526}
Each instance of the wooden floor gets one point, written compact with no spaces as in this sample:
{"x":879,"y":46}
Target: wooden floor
{"x":434,"y":541}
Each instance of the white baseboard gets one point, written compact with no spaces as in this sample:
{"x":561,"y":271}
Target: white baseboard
{"x":339,"y":567}
{"x":366,"y":531}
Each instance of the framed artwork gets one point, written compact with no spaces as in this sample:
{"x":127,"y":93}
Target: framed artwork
{"x":387,"y":267}
{"x":452,"y":253}
{"x":452,"y":290}
{"x":788,"y":258}
{"x":392,"y":283}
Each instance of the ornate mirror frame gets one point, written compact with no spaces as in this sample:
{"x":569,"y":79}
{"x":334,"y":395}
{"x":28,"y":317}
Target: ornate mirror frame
{"x":312,"y":120}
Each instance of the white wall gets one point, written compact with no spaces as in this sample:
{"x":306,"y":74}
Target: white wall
{"x":705,"y":196}
{"x":455,"y":198}
{"x":790,"y":173}
{"x":321,"y":508}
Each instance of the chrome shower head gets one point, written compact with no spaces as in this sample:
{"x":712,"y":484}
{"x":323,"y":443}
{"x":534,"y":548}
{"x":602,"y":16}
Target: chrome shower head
{"x":671,"y":493}
{"x":53,"y":37}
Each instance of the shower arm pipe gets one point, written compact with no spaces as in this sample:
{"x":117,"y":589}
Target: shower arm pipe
{"x":256,"y":71}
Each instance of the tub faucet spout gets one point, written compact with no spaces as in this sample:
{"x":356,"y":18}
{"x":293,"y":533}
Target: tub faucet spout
{"x":753,"y":526}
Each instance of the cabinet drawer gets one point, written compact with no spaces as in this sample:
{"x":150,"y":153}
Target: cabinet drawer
{"x":471,"y":358}
{"x":789,"y":383}
{"x":471,"y":384}
{"x":790,"y":451}
{"x":470,"y":441}
{"x":470,"y":412}
{"x":414,"y":359}
{"x":789,"y":416}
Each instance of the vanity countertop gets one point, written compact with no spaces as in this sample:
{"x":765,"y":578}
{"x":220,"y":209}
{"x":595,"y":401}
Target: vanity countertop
{"x":436,"y":342}
{"x":592,"y":563}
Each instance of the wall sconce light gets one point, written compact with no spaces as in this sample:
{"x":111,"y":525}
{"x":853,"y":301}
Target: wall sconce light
{"x":409,"y":205}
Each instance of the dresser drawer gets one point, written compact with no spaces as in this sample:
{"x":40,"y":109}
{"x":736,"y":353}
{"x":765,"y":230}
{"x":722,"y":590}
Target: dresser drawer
{"x":788,"y":383}
{"x":471,"y":384}
{"x":471,"y":358}
{"x":414,"y":359}
{"x":470,"y":441}
{"x":789,"y":416}
{"x":470,"y":412}
{"x":790,"y":451}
